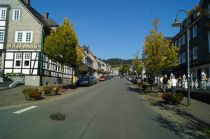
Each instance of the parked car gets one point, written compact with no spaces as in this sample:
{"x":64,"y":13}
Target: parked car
{"x":85,"y":81}
{"x":93,"y":80}
{"x":102,"y":78}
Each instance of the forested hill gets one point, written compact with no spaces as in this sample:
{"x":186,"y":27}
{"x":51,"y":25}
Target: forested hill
{"x":116,"y":62}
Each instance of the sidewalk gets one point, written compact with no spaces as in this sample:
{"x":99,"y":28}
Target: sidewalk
{"x":14,"y":97}
{"x":193,"y":120}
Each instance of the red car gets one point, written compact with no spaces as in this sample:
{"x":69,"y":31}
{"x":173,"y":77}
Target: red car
{"x":102,"y":78}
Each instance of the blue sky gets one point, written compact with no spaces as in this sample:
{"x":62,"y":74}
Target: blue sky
{"x":115,"y":28}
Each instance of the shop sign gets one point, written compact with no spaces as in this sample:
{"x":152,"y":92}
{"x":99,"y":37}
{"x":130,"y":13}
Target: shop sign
{"x":23,"y":46}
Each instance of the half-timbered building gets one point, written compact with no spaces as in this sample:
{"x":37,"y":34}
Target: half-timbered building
{"x":22,"y":34}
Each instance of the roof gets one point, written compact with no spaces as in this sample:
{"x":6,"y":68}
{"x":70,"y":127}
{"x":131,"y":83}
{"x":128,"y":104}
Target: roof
{"x":46,"y":22}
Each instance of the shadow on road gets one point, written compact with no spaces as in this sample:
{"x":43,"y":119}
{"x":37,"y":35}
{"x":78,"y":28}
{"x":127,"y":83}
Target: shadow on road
{"x":192,"y":126}
{"x":135,"y":90}
{"x":181,"y":131}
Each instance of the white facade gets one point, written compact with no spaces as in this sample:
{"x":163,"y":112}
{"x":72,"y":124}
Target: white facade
{"x":26,"y":30}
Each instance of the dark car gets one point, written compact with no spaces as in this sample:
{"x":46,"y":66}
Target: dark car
{"x":84,"y":81}
{"x":93,"y":80}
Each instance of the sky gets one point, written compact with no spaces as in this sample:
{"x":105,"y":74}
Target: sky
{"x":115,"y":28}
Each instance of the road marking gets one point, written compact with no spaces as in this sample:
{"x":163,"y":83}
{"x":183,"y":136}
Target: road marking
{"x":26,"y":109}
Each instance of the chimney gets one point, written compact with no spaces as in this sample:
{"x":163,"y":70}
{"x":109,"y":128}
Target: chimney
{"x":45,"y":15}
{"x":27,"y":2}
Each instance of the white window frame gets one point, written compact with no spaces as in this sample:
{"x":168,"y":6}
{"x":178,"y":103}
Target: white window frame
{"x":18,"y":57}
{"x":16,"y":14}
{"x":2,"y":33}
{"x":3,"y":13}
{"x":195,"y":31}
{"x":195,"y":53}
{"x":27,"y":57}
{"x":24,"y":37}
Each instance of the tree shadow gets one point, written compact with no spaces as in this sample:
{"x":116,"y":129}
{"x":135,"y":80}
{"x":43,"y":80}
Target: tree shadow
{"x":189,"y":131}
{"x":135,"y":90}
{"x":193,"y":124}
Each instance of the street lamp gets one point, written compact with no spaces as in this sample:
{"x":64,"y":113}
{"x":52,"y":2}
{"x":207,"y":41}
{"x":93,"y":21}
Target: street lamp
{"x":177,"y":23}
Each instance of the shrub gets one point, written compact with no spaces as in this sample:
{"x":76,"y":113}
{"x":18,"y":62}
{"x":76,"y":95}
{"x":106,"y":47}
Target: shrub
{"x":36,"y":93}
{"x":47,"y":89}
{"x":172,"y":98}
{"x":32,"y":93}
{"x":56,"y":89}
{"x":165,"y":96}
{"x":27,"y":92}
{"x":145,"y":86}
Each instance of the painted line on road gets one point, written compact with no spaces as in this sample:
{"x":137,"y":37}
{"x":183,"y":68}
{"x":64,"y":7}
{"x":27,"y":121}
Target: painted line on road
{"x":26,"y":109}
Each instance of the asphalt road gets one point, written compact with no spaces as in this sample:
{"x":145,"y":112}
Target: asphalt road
{"x":108,"y":110}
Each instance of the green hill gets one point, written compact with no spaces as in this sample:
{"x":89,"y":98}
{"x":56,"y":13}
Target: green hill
{"x":116,"y":62}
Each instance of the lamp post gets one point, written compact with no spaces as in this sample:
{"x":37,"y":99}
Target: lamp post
{"x":177,"y":23}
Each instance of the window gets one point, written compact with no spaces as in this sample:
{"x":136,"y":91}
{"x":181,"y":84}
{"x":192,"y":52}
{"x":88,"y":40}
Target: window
{"x":180,"y":41}
{"x":195,"y":31}
{"x":1,"y":36}
{"x":209,"y":9}
{"x":28,"y":37}
{"x":27,"y":57}
{"x":19,"y":37}
{"x":18,"y":59}
{"x":189,"y":34}
{"x":183,"y":39}
{"x":190,"y":54}
{"x":183,"y":57}
{"x":195,"y":53}
{"x":180,"y":59}
{"x":16,"y":14}
{"x":209,"y":40}
{"x":176,"y":43}
{"x":23,"y":36}
{"x":3,"y":12}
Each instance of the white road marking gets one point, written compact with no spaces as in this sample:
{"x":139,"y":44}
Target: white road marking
{"x":26,"y":109}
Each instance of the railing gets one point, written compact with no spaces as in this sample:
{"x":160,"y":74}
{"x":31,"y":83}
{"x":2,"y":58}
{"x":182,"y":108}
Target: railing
{"x":194,"y":85}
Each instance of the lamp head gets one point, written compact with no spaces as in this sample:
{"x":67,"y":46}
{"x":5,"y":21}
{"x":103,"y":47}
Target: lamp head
{"x":177,"y":23}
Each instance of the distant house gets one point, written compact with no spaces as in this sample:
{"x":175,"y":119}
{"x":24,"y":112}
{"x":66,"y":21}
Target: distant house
{"x":199,"y":42}
{"x":23,"y":31}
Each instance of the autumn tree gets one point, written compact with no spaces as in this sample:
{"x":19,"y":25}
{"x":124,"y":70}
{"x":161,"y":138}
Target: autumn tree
{"x":62,"y":45}
{"x":159,"y":53}
{"x":137,"y":65}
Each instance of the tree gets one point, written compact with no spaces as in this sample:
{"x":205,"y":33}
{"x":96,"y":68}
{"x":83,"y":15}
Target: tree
{"x":61,"y":46}
{"x":137,"y":65}
{"x":80,"y":56}
{"x":159,"y":53}
{"x":124,"y":69}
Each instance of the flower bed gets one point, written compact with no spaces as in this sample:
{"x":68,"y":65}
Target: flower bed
{"x":172,"y":98}
{"x":32,"y":93}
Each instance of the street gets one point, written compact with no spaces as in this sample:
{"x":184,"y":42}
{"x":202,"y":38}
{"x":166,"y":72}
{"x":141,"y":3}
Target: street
{"x":108,"y":110}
